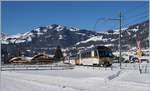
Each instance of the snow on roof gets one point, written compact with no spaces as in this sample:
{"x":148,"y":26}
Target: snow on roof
{"x":42,"y":54}
{"x":109,"y":45}
{"x":51,"y":56}
{"x":28,"y":58}
{"x":21,"y":58}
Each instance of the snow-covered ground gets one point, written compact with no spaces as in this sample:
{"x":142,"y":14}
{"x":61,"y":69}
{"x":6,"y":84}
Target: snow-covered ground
{"x":78,"y":79}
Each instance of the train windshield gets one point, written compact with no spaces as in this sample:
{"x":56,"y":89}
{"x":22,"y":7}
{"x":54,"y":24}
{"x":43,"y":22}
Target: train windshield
{"x":105,"y":53}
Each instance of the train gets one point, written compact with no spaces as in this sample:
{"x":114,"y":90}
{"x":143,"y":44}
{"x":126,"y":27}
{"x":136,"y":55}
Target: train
{"x":97,"y":55}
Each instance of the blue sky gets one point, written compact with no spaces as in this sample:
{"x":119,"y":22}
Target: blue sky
{"x":23,"y":16}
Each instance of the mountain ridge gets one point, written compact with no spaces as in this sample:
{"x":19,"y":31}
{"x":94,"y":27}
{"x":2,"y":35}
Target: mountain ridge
{"x":47,"y":38}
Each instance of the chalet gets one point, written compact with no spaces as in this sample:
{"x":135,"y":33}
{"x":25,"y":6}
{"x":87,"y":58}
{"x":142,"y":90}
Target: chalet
{"x":20,"y":60}
{"x":42,"y":59}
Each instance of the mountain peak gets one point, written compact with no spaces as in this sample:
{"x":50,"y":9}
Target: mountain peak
{"x":57,"y":34}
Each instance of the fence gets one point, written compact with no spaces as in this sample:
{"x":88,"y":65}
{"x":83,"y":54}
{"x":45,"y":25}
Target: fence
{"x":36,"y":67}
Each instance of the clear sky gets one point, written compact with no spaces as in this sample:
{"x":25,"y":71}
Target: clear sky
{"x":23,"y":16}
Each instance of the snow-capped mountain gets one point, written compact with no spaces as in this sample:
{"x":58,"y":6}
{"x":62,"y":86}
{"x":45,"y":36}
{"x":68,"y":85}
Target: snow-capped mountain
{"x":49,"y":33}
{"x":48,"y":37}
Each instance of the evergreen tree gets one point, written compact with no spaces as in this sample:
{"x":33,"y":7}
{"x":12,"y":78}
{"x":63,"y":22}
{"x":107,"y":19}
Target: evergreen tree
{"x":4,"y":55}
{"x":58,"y":56}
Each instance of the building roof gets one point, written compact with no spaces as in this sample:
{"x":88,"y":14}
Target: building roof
{"x":20,"y":59}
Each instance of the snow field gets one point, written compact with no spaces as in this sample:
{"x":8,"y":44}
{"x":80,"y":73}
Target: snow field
{"x":78,"y":79}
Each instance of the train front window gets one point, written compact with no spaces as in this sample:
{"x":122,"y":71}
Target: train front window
{"x":110,"y":54}
{"x":105,"y":54}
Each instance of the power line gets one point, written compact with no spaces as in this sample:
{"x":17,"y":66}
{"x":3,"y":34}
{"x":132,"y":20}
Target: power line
{"x":135,"y":20}
{"x":134,"y":16}
{"x":132,"y":19}
{"x":97,"y":21}
{"x":129,"y":17}
{"x":131,"y":23}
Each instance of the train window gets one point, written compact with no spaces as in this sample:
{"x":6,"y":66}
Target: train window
{"x":86,"y":55}
{"x":83,"y":55}
{"x":110,"y":54}
{"x":105,"y":54}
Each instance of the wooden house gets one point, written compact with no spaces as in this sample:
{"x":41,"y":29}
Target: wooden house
{"x":41,"y":59}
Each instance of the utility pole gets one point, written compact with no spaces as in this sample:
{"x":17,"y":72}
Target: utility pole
{"x":120,"y":20}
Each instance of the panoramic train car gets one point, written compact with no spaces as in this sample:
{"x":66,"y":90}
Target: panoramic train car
{"x":98,"y":55}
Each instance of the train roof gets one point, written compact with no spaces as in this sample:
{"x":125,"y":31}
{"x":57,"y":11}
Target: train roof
{"x":102,"y":47}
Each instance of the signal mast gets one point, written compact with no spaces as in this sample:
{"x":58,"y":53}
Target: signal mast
{"x":138,"y":49}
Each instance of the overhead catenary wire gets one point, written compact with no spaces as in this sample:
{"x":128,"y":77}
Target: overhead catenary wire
{"x":133,"y":10}
{"x":133,"y":19}
{"x":130,"y":20}
{"x":136,"y":15}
